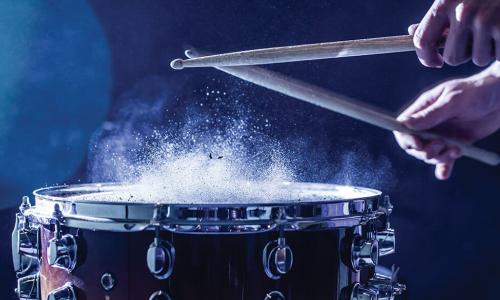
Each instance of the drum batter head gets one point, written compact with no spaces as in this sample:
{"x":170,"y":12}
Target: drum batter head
{"x":249,"y":206}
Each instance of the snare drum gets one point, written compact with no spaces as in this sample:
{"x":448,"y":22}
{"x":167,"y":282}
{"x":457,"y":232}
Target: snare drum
{"x":87,"y":242}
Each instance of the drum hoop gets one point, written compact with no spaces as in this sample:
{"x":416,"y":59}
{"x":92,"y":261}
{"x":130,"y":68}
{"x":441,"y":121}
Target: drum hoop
{"x":204,"y":218}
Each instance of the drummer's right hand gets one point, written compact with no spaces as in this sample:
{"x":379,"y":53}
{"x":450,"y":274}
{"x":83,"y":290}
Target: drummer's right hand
{"x":472,"y":28}
{"x":465,"y":109}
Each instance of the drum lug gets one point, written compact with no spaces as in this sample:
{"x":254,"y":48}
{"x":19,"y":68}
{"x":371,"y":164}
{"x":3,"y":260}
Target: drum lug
{"x":386,"y":241}
{"x":28,"y":287}
{"x":380,"y":287}
{"x":61,"y":249}
{"x":66,"y":292}
{"x":364,"y":252}
{"x":277,"y":258}
{"x":160,"y":258}
{"x":29,"y":242}
{"x":25,"y":241}
{"x":361,"y":292}
{"x":61,"y":252}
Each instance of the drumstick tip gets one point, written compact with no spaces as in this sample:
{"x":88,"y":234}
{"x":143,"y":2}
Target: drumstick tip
{"x":177,"y":64}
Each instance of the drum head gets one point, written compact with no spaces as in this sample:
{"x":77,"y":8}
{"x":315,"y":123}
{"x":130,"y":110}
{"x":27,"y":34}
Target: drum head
{"x":248,"y":206}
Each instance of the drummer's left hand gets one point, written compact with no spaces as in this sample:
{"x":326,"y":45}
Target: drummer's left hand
{"x":466,"y":109}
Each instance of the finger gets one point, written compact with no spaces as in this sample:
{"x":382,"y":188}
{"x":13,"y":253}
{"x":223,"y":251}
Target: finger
{"x":433,"y":115}
{"x":429,"y":32}
{"x":457,"y":47}
{"x":496,"y":36}
{"x":412,"y":28}
{"x":423,"y":101}
{"x":443,"y":170}
{"x":408,"y":141}
{"x":435,"y":152}
{"x":420,"y":155}
{"x":434,"y":149}
{"x":483,"y":51}
{"x":448,"y":154}
{"x":497,"y":49}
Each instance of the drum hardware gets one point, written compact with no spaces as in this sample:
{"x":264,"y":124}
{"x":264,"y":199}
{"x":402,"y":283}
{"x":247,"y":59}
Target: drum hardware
{"x":386,"y":240}
{"x":385,"y":205}
{"x":25,"y":242}
{"x":160,"y":257}
{"x":383,"y":233}
{"x":364,"y":252}
{"x":277,"y":257}
{"x":160,"y":295}
{"x":29,"y":241}
{"x":160,"y":213}
{"x":343,"y":217}
{"x":379,"y":287}
{"x":28,"y":287}
{"x":361,"y":292}
{"x":274,"y":295}
{"x":62,"y":249}
{"x":66,"y":292}
{"x":108,"y":281}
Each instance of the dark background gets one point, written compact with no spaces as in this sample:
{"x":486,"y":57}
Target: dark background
{"x":446,"y":231}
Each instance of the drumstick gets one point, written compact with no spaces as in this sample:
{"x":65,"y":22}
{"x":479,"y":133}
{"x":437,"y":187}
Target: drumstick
{"x":343,"y":105}
{"x":380,"y":45}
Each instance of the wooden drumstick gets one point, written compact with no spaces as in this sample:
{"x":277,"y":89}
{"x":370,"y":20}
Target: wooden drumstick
{"x":381,"y":45}
{"x":343,"y":105}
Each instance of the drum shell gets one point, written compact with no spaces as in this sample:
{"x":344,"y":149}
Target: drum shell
{"x":207,"y":266}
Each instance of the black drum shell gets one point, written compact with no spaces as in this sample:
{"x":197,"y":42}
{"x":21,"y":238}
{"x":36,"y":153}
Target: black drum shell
{"x":207,"y":266}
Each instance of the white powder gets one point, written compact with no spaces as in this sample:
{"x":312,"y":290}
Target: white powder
{"x":220,"y":153}
{"x":195,"y":177}
{"x":199,"y":165}
{"x":240,"y":193}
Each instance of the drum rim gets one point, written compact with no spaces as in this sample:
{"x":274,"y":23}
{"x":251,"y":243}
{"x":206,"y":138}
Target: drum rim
{"x":204,"y":218}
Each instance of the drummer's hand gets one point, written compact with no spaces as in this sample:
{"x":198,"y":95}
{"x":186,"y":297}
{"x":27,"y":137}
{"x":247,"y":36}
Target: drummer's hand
{"x":472,"y":28}
{"x":465,"y":109}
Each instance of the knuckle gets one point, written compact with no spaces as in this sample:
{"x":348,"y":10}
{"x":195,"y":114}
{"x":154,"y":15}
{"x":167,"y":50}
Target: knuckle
{"x":468,"y":12}
{"x":483,"y":21}
{"x":451,"y":86}
{"x":443,"y":5}
{"x":421,"y":38}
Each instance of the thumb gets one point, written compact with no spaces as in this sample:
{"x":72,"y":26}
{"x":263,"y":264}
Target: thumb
{"x":432,"y":115}
{"x":412,"y":29}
